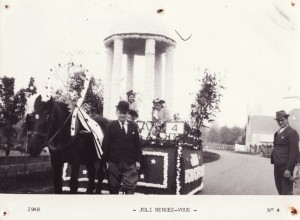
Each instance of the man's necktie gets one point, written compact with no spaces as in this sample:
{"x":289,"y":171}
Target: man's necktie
{"x":123,"y":128}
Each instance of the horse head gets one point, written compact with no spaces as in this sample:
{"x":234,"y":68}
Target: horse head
{"x":38,"y":125}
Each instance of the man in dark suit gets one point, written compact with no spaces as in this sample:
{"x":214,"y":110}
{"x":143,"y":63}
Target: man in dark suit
{"x":284,"y":155}
{"x":122,"y":151}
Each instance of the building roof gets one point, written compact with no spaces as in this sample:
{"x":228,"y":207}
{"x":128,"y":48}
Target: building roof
{"x":140,"y":26}
{"x":294,"y":119}
{"x":139,"y":23}
{"x":262,"y":124}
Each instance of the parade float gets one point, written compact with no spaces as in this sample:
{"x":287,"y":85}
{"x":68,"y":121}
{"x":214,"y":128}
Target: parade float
{"x":171,"y":165}
{"x":172,"y":160}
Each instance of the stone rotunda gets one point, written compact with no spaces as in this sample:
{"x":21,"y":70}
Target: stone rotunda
{"x":147,"y":38}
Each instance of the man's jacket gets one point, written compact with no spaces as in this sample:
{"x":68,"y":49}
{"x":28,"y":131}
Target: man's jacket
{"x":286,"y":148}
{"x":117,"y":146}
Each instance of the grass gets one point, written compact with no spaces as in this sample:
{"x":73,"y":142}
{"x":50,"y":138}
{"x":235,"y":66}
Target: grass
{"x":210,"y":156}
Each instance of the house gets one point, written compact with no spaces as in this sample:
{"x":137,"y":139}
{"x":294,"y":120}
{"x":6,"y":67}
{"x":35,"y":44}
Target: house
{"x":294,"y":119}
{"x":260,"y":130}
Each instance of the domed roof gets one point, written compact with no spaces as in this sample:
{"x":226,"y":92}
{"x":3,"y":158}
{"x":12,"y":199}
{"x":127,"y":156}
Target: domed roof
{"x":139,"y":25}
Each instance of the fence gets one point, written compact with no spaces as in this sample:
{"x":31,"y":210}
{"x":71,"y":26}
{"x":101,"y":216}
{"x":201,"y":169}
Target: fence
{"x":265,"y":150}
{"x":217,"y":146}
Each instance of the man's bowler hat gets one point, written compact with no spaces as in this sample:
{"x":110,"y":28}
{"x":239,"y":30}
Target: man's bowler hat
{"x":123,"y":106}
{"x":281,"y":114}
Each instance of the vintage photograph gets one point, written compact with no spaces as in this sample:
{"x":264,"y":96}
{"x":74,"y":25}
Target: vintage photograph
{"x":150,"y":97}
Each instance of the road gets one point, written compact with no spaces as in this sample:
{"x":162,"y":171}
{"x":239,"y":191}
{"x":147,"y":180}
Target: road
{"x":238,"y":174}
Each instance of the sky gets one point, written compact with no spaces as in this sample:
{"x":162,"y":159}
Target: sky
{"x":253,"y":46}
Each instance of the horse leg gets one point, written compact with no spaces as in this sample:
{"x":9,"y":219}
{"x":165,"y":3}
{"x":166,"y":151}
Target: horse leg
{"x":91,"y":175}
{"x":57,"y":178}
{"x":57,"y":175}
{"x":100,"y":176}
{"x":98,"y":185}
{"x":74,"y":177}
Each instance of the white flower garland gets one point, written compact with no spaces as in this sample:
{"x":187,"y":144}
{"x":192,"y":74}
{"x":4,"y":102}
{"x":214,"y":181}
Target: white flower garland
{"x":193,"y":174}
{"x":65,"y":178}
{"x":165,"y":170}
{"x":64,"y":172}
{"x":178,"y":170}
{"x":81,"y":190}
{"x":197,"y":189}
{"x":153,"y":185}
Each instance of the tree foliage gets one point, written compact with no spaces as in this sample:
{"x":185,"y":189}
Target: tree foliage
{"x":226,"y":135}
{"x":213,"y":135}
{"x":12,"y":105}
{"x":93,"y":101}
{"x":207,"y":101}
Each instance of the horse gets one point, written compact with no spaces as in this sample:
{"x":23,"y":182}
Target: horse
{"x":49,"y":125}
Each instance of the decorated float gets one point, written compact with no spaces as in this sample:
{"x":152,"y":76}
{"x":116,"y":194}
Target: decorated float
{"x":172,"y":160}
{"x":171,"y":165}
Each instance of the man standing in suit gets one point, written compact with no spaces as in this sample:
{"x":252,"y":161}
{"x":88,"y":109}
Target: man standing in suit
{"x":122,"y":151}
{"x":284,"y":155}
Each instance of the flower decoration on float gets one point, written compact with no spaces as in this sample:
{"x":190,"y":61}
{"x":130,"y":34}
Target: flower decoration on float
{"x":189,"y":139}
{"x":165,"y":165}
{"x":178,"y":170}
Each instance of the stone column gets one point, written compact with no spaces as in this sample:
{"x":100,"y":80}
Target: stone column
{"x":107,"y":82}
{"x":116,"y":77}
{"x":169,"y":79}
{"x":129,"y":77}
{"x":148,"y":93}
{"x":158,"y":76}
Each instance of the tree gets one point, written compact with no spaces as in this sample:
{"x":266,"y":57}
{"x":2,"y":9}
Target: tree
{"x":12,"y":106}
{"x":226,"y":136}
{"x":94,"y":97}
{"x":242,"y":138}
{"x":231,"y":135}
{"x":236,"y":133}
{"x":207,"y":101}
{"x":213,"y":135}
{"x":93,"y":101}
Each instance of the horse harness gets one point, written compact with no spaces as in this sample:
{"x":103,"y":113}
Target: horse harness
{"x":49,"y":143}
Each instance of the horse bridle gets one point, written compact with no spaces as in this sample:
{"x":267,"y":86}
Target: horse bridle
{"x":48,"y":142}
{"x":37,"y":116}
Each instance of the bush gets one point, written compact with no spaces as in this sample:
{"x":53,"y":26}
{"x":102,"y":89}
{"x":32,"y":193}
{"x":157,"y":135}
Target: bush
{"x":210,"y":156}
